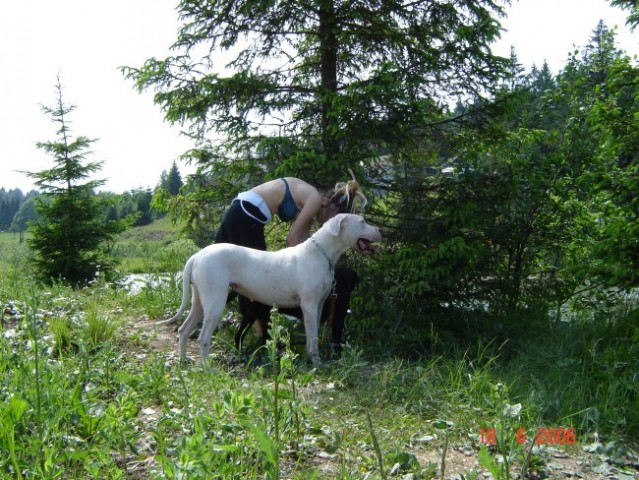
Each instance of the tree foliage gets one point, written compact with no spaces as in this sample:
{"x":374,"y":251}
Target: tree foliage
{"x":633,"y":10}
{"x":536,"y":208}
{"x":26,"y":214}
{"x":313,"y":88}
{"x":172,"y":181}
{"x":10,"y":202}
{"x":71,"y":240}
{"x":611,"y":120}
{"x":519,"y":197}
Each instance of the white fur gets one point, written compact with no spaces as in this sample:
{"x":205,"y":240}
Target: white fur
{"x":296,"y":276}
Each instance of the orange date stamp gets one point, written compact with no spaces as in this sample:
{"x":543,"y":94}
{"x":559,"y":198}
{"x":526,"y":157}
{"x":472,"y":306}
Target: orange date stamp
{"x":543,"y":436}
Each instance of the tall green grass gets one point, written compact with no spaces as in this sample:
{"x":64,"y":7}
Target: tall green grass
{"x":85,"y":394}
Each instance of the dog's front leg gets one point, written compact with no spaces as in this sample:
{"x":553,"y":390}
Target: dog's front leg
{"x":311,"y":325}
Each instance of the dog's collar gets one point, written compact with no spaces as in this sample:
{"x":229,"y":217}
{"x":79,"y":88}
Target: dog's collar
{"x":321,"y":249}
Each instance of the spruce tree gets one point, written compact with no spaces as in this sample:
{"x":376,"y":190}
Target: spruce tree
{"x":71,"y":240}
{"x":315,"y":88}
{"x":173,"y":180}
{"x":319,"y":86}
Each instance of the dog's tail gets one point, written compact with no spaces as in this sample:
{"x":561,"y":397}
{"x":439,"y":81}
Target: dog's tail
{"x":186,"y":290}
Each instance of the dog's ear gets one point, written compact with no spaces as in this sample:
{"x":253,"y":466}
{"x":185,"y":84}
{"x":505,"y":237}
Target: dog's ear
{"x":335,"y":223}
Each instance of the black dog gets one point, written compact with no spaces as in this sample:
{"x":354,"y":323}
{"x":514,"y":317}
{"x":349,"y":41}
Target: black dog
{"x":345,"y":282}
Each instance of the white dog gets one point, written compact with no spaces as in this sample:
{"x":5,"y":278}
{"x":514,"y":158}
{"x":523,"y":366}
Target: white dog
{"x":299,"y":276}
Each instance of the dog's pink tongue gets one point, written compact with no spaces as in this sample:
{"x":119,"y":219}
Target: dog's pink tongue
{"x":365,"y":246}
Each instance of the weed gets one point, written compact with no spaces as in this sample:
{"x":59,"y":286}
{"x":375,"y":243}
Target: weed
{"x":100,"y":328}
{"x":63,"y":335}
{"x":11,"y":415}
{"x":378,"y":450}
{"x":155,"y":378}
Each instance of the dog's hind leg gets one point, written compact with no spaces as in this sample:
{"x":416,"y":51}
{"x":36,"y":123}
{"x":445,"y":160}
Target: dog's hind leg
{"x":192,"y":320}
{"x":212,"y":307}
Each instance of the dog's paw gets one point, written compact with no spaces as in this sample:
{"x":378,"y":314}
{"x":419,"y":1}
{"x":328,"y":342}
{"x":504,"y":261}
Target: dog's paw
{"x":186,"y":361}
{"x":316,"y":361}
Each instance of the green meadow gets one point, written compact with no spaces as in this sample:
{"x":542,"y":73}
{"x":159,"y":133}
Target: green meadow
{"x":90,"y":388}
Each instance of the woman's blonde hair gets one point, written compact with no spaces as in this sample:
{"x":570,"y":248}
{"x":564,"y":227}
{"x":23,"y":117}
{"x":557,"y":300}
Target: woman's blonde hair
{"x":348,"y":196}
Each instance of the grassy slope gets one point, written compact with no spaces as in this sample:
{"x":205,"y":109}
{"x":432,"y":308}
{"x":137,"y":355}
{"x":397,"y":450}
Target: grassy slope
{"x":154,"y":248}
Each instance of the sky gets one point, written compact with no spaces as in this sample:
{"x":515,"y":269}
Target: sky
{"x":548,"y":30}
{"x":84,"y":42}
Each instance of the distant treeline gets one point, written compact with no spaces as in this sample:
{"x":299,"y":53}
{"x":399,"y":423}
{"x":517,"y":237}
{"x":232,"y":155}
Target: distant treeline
{"x":17,"y":208}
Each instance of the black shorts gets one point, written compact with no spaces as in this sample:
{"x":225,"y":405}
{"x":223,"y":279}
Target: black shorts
{"x":241,"y":229}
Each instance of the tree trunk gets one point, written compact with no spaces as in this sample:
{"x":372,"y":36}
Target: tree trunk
{"x":328,"y":88}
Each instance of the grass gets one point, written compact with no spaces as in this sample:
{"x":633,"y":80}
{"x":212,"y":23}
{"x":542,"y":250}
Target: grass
{"x":89,"y":392}
{"x":154,"y":248}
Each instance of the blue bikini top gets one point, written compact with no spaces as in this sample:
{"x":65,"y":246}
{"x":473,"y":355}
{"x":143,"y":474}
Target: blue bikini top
{"x":287,"y":210}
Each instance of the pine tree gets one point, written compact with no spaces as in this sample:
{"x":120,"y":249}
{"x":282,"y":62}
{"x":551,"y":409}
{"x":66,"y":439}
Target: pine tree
{"x":71,"y":239}
{"x":633,"y":11}
{"x":172,"y":181}
{"x":317,"y":86}
{"x":313,"y":88}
